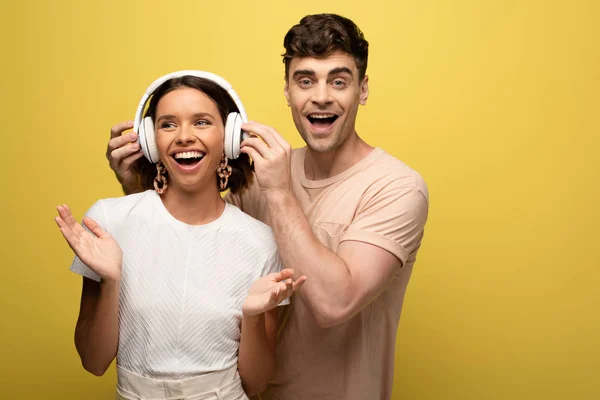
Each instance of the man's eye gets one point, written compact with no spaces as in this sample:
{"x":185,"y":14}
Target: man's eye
{"x":305,"y":82}
{"x":339,"y":83}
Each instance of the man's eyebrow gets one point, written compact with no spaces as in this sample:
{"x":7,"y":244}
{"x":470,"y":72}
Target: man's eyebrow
{"x":311,"y":73}
{"x":340,"y":70}
{"x":303,"y":72}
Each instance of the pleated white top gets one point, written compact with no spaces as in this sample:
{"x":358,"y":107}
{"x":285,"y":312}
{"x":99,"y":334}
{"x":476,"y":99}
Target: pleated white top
{"x":182,"y":285}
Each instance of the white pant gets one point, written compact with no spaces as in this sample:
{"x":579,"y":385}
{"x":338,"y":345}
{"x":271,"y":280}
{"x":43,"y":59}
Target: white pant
{"x":220,"y":385}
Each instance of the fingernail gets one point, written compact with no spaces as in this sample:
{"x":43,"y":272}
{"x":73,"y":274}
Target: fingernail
{"x":135,"y":146}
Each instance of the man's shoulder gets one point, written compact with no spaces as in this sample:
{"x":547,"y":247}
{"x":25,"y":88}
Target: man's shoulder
{"x":396,"y":172}
{"x":380,"y":173}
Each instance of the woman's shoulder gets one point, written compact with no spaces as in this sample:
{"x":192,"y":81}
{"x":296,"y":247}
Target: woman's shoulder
{"x":116,"y":207}
{"x":127,"y":202}
{"x":250,"y":227}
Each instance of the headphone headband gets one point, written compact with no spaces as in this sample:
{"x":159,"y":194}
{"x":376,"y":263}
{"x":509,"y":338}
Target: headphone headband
{"x":178,"y":74}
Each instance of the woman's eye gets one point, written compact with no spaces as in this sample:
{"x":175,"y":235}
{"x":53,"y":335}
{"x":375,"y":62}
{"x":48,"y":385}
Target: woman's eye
{"x":167,"y":125}
{"x":202,"y":122}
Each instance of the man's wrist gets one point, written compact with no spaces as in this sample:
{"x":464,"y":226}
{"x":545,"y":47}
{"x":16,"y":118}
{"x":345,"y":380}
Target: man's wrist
{"x":279,"y":196}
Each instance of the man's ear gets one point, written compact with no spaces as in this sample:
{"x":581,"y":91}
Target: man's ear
{"x":286,"y":92}
{"x":364,"y":90}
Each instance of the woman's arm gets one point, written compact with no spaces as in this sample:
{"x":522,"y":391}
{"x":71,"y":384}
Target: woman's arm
{"x":97,"y":330}
{"x":256,"y":361}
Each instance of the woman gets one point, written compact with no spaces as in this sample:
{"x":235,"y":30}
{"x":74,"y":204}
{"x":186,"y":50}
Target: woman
{"x":179,"y":286}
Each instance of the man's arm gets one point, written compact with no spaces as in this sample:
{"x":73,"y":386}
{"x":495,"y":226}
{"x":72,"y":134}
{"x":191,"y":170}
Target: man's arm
{"x":340,"y":284}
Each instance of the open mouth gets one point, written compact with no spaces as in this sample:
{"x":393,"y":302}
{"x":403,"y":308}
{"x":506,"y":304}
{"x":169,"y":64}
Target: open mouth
{"x":322,"y":120}
{"x":188,"y":158}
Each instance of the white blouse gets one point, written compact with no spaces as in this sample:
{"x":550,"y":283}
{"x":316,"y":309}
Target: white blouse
{"x":182,"y":286}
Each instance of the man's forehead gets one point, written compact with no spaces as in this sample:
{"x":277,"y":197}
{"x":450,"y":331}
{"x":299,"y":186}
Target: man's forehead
{"x":324,"y":65}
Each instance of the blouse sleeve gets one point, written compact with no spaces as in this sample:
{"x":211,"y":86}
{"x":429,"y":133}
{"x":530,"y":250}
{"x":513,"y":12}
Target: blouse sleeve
{"x":96,"y":212}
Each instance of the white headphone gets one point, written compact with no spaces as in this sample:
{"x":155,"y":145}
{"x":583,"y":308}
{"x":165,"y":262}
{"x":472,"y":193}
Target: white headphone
{"x":233,"y":126}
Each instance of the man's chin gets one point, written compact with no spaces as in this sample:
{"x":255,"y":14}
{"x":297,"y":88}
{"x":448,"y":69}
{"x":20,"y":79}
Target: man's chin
{"x":320,"y":144}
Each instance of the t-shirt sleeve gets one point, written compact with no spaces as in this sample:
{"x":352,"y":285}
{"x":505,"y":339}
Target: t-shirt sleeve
{"x":392,"y":218}
{"x":96,"y":212}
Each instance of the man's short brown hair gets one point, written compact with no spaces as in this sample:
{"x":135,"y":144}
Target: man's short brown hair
{"x":320,"y":35}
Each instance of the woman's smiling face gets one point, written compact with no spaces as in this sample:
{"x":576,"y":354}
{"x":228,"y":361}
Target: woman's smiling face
{"x":189,"y":138}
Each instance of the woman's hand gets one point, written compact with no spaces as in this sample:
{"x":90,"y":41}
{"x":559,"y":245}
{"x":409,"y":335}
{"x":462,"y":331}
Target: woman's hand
{"x":270,"y":290}
{"x":98,"y":250}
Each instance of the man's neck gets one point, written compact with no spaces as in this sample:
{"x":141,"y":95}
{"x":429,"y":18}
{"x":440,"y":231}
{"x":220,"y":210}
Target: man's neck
{"x":323,"y":165}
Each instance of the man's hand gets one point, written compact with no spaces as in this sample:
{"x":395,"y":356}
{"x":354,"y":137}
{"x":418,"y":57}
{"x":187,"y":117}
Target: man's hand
{"x":271,"y":156}
{"x":122,"y":151}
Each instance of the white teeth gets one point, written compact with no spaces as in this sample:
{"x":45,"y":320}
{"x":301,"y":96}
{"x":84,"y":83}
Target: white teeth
{"x":189,"y":154}
{"x":321,"y":115}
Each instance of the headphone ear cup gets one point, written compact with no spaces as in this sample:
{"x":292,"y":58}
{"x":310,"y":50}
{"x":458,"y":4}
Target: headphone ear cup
{"x":233,"y":135}
{"x":149,"y":147}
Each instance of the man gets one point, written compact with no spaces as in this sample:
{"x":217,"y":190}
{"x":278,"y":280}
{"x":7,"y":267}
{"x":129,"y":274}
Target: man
{"x":348,"y":216}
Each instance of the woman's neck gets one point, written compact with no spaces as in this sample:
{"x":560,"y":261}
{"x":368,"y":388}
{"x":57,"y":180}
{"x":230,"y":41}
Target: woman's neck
{"x":197,"y":207}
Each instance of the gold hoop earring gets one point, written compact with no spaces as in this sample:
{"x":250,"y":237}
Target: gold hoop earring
{"x":160,"y":182}
{"x":224,"y":172}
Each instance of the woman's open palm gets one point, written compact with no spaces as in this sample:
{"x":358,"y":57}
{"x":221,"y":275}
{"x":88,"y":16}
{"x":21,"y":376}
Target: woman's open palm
{"x":98,"y":249}
{"x":270,"y":290}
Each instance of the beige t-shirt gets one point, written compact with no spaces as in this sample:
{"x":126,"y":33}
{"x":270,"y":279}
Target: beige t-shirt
{"x":380,"y":201}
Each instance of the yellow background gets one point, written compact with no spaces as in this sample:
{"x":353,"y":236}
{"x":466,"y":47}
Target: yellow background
{"x":495,"y":103}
